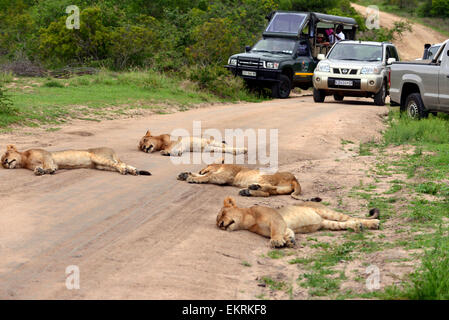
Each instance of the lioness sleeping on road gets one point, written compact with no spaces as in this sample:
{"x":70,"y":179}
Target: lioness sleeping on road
{"x":168,"y":145}
{"x":44,"y":162}
{"x":256,"y":183}
{"x":281,"y":224}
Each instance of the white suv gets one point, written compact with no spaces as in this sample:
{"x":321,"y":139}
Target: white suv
{"x":355,"y":69}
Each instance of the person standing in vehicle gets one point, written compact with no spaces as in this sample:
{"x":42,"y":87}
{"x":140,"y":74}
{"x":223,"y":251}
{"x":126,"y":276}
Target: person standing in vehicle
{"x":339,"y":35}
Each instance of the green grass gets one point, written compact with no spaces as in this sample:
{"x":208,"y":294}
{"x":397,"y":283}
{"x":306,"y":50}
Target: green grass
{"x":426,"y":202}
{"x":273,"y":284}
{"x":103,"y":95}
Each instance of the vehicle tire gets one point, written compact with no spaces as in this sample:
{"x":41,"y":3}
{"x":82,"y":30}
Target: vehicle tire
{"x":282,"y":88}
{"x":338,"y":97}
{"x":318,"y":95}
{"x":414,"y":106}
{"x":381,"y":96}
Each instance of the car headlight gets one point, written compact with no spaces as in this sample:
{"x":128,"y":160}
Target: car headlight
{"x":324,"y":67}
{"x":232,"y":62}
{"x":370,"y":70}
{"x":271,"y":65}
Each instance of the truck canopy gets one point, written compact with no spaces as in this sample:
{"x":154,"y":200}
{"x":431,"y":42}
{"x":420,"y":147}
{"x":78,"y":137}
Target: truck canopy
{"x":291,"y":24}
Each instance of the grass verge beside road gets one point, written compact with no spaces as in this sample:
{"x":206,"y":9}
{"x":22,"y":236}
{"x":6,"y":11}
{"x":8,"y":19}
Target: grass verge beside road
{"x":407,"y":178}
{"x":105,"y":95}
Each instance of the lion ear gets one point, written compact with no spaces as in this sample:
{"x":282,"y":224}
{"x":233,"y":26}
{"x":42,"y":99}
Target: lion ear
{"x":11,"y":147}
{"x":229,"y":202}
{"x":148,"y":134}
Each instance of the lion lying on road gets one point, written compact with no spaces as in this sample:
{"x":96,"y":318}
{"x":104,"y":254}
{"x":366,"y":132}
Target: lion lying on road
{"x":281,"y":224}
{"x":255,"y":182}
{"x":176,"y":147}
{"x":44,"y":162}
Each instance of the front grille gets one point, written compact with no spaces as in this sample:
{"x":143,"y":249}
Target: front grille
{"x":355,"y":85}
{"x":256,"y":63}
{"x":345,"y":71}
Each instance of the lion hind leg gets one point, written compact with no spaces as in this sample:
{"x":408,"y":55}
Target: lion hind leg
{"x":336,"y":225}
{"x":329,"y":214}
{"x":253,"y":193}
{"x":109,"y":163}
{"x":373,"y":224}
{"x":224,"y":149}
{"x":296,"y":189}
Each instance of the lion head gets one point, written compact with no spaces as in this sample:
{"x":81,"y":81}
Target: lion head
{"x":12,"y":158}
{"x":149,"y":143}
{"x":230,"y":217}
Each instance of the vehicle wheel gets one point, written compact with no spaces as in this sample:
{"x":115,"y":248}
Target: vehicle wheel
{"x":381,"y":96}
{"x":282,"y":88}
{"x":338,"y":97}
{"x":415,"y":107}
{"x":318,"y":95}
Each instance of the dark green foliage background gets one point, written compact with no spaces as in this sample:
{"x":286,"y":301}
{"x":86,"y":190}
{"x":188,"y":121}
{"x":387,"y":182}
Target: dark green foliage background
{"x":161,"y":34}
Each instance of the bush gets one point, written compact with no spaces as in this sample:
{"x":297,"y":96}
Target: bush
{"x":53,"y":84}
{"x":387,"y":34}
{"x":6,"y":105}
{"x":218,"y":81}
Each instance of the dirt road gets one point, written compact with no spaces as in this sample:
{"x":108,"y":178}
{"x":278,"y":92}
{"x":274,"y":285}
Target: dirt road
{"x":155,"y":237}
{"x":411,"y":45}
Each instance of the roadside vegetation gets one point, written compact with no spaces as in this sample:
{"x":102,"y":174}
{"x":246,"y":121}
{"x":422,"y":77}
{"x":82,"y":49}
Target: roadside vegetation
{"x":431,"y":13}
{"x":408,"y":180}
{"x":132,"y":55}
{"x":35,"y":101}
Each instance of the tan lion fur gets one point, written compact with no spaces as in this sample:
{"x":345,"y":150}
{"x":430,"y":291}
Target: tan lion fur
{"x":44,"y":162}
{"x":280,"y":225}
{"x":171,"y":146}
{"x":255,"y":182}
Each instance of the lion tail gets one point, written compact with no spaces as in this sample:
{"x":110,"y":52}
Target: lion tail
{"x":143,"y":173}
{"x":374,"y":214}
{"x":296,"y":190}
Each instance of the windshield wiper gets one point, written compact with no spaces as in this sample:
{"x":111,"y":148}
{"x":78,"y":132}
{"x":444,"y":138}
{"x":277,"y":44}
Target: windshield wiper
{"x":260,"y":50}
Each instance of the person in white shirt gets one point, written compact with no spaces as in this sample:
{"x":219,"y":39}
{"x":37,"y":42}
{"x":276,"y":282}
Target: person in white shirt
{"x":339,"y":35}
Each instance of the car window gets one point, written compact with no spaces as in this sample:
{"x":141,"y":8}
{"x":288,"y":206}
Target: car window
{"x":356,"y":52}
{"x":440,"y":57}
{"x":275,"y":45}
{"x":394,"y":53}
{"x":433,"y":51}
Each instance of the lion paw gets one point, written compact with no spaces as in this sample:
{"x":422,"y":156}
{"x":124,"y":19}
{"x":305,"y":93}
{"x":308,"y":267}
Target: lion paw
{"x":255,"y":187}
{"x":38,"y":171}
{"x":245,"y":193}
{"x":278,"y":243}
{"x":165,"y":152}
{"x":183,"y":176}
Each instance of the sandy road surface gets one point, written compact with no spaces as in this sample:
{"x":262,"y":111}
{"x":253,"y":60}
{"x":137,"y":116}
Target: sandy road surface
{"x":154,"y":237}
{"x":411,"y":46}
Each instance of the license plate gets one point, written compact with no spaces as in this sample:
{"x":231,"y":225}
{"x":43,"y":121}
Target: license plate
{"x":346,"y":83}
{"x":249,"y":73}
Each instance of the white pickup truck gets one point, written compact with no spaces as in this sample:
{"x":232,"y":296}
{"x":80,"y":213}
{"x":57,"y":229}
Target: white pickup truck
{"x":423,"y":86}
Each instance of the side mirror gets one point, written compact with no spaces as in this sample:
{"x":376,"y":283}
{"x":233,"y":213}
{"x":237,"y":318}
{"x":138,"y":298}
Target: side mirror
{"x":391,"y":60}
{"x":321,"y":57}
{"x":247,"y":48}
{"x":448,"y":53}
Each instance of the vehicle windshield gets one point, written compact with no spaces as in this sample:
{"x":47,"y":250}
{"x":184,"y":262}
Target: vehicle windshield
{"x":286,"y":22}
{"x":356,"y":52}
{"x":284,"y":46}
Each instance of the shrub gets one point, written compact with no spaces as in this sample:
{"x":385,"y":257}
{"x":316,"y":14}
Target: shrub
{"x":6,"y":105}
{"x":387,"y":34}
{"x":53,"y":84}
